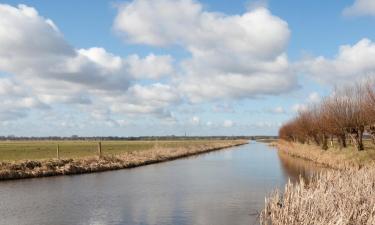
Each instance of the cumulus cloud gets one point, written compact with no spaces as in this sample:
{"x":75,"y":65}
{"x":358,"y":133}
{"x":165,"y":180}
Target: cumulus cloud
{"x":37,"y":58}
{"x":314,"y":97}
{"x":277,"y":110}
{"x":232,"y":56}
{"x":361,"y":8}
{"x":351,"y":63}
{"x":195,"y":120}
{"x":151,"y":67}
{"x":15,"y":101}
{"x":266,"y":124}
{"x":228,"y":123}
{"x":223,"y":108}
{"x":299,"y":108}
{"x":151,"y":99}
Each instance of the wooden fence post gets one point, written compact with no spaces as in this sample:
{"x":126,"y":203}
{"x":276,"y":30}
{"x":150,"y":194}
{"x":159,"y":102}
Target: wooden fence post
{"x":58,"y":151}
{"x":100,"y":149}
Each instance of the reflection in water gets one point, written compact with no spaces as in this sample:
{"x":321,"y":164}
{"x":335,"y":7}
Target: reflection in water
{"x":223,"y":187}
{"x":294,"y":168}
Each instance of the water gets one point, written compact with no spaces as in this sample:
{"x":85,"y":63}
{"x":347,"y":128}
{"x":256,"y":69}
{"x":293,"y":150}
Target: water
{"x":220,"y":188}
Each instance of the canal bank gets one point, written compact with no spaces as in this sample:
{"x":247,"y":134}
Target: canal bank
{"x":344,"y":195}
{"x":55,"y":167}
{"x":221,"y":187}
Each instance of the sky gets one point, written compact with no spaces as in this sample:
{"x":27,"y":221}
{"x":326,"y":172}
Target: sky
{"x":175,"y":67}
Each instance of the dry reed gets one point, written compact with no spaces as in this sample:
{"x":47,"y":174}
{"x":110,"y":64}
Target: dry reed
{"x":333,"y":197}
{"x":343,"y":196}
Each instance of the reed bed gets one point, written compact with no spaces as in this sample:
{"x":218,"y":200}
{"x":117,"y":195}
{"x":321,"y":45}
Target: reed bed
{"x":54,"y":167}
{"x":330,"y":198}
{"x":343,"y":195}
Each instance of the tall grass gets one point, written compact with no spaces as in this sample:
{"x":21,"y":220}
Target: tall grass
{"x":333,"y":157}
{"x":342,"y":196}
{"x":333,"y":197}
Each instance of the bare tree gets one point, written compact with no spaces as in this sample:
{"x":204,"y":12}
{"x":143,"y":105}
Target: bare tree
{"x":348,"y":112}
{"x":348,"y":106}
{"x":369,"y":107}
{"x":333,"y":118}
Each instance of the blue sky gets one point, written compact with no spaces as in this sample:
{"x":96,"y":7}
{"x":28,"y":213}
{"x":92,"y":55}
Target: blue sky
{"x":200,"y":67}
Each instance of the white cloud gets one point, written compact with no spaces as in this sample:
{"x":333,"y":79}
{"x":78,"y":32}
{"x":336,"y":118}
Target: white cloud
{"x":44,"y":69}
{"x":151,"y":99}
{"x":15,"y":102}
{"x":151,"y":67}
{"x":228,"y":123}
{"x":314,"y":97}
{"x":223,"y":108}
{"x":195,"y":120}
{"x":267,"y":124}
{"x":239,"y":56}
{"x":361,"y":8}
{"x":351,"y":63}
{"x":299,"y":108}
{"x":278,"y":110}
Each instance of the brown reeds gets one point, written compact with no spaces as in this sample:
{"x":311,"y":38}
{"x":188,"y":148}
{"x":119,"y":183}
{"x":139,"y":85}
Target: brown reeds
{"x":333,"y":197}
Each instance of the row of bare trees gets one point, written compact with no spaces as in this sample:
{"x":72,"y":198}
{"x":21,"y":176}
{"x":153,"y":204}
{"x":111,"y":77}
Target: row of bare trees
{"x":349,"y":112}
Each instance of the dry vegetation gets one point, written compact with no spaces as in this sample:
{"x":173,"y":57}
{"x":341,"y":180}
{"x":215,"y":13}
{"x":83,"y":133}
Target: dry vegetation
{"x":331,"y":134}
{"x":128,"y":159}
{"x":331,"y":198}
{"x":333,"y":157}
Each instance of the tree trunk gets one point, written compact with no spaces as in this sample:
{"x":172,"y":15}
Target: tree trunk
{"x":360,"y":139}
{"x":357,"y":139}
{"x":316,"y":140}
{"x":342,"y":141}
{"x":325,"y":144}
{"x":371,"y":131}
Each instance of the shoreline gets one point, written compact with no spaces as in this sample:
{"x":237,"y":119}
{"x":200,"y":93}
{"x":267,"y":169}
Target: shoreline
{"x":334,"y":159}
{"x":329,"y":196}
{"x":54,"y":167}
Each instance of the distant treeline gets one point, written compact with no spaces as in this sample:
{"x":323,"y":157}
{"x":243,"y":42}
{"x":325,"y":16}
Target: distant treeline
{"x":142,"y":138}
{"x":349,"y":112}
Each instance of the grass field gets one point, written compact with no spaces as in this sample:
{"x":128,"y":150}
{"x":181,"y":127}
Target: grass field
{"x":34,"y":150}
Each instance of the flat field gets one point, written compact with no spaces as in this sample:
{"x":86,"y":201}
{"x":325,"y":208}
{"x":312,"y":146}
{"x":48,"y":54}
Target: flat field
{"x":35,"y":150}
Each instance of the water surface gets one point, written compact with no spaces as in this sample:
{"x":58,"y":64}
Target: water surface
{"x":225,"y":187}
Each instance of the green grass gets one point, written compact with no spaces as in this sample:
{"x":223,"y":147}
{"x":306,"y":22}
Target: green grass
{"x":32,"y":150}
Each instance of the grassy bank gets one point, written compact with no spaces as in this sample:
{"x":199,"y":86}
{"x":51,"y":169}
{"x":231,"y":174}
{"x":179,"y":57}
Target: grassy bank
{"x":344,"y":195}
{"x":113,"y":158}
{"x":37,"y":150}
{"x":347,"y":158}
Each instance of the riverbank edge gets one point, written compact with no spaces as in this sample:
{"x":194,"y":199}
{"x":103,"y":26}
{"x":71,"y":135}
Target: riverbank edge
{"x":349,"y":185}
{"x":333,"y":159}
{"x":54,"y":167}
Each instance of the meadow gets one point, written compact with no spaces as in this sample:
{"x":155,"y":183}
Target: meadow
{"x":40,"y":150}
{"x":39,"y":159}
